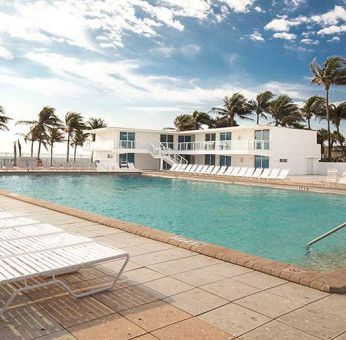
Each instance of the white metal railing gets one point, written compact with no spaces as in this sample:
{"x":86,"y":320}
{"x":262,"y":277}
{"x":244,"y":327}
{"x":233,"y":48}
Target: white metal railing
{"x":92,"y":146}
{"x":164,"y":152}
{"x":242,"y":144}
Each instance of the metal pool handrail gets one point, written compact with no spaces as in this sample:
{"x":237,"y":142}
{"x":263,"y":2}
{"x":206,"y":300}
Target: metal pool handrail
{"x":332,"y":231}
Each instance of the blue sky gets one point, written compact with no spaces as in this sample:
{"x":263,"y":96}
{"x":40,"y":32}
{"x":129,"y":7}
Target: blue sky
{"x":141,"y":62}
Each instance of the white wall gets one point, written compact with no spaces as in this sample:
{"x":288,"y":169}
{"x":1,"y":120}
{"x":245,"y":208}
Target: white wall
{"x":322,"y":167}
{"x":146,"y":162}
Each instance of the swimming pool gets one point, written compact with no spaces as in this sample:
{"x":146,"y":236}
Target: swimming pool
{"x":268,"y":222}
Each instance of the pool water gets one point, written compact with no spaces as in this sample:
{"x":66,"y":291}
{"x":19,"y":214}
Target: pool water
{"x":268,"y":222}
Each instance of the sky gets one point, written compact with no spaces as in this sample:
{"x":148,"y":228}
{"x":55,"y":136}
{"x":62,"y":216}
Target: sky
{"x":139,"y":63}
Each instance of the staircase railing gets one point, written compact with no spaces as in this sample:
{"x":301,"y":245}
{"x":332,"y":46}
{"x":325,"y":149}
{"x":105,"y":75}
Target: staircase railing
{"x":162,"y":151}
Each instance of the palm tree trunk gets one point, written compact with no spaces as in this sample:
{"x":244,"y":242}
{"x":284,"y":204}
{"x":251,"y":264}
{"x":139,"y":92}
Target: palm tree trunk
{"x":258,"y":116}
{"x":32,"y":149}
{"x":51,"y":155}
{"x":68,"y":148}
{"x":39,"y":148}
{"x":328,"y":126}
{"x":92,"y":157}
{"x":309,"y":125}
{"x":74,"y":154}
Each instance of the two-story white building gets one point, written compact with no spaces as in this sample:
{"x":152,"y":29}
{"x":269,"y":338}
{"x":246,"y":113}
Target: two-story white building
{"x":248,"y":146}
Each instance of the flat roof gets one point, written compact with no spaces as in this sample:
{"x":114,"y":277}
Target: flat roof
{"x":174,"y":131}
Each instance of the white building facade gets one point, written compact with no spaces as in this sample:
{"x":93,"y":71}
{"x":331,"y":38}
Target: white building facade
{"x":246,"y":146}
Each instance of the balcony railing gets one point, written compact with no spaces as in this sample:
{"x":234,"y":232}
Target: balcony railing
{"x":260,"y":144}
{"x":242,"y":144}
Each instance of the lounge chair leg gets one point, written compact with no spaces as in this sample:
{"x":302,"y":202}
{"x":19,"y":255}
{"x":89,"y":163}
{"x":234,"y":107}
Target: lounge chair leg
{"x":54,"y":281}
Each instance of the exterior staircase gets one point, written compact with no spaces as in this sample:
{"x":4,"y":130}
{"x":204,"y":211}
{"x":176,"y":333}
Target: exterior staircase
{"x":165,"y":153}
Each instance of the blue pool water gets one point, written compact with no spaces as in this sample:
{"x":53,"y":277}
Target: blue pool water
{"x":272,"y":223}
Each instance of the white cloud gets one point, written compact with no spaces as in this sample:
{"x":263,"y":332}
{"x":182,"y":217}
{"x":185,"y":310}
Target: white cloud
{"x":284,"y":36}
{"x":238,"y":5}
{"x":256,"y":36}
{"x":188,"y":50}
{"x":5,"y":53}
{"x":293,"y":4}
{"x":331,"y":17}
{"x":332,"y":30}
{"x":284,"y":24}
{"x":307,"y":41}
{"x":334,"y":39}
{"x":258,"y":9}
{"x":299,"y":49}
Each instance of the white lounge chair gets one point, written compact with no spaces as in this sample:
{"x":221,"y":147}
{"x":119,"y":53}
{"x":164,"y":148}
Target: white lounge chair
{"x":26,"y":253}
{"x":183,"y":167}
{"x":265,"y":173}
{"x":249,"y":172}
{"x":283,"y":174}
{"x":187,"y":169}
{"x":193,"y":168}
{"x":199,"y":168}
{"x":257,"y":173}
{"x":274,"y":174}
{"x":332,"y":175}
{"x":235,"y":171}
{"x":215,"y":170}
{"x":209,"y":169}
{"x":241,"y":172}
{"x":204,"y":169}
{"x":173,"y":167}
{"x":229,"y":171}
{"x":222,"y":170}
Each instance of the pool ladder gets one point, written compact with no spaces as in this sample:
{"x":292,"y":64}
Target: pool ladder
{"x":330,"y":232}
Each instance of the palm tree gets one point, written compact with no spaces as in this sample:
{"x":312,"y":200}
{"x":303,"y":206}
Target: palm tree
{"x":3,"y":120}
{"x":333,"y":72}
{"x":337,"y":114}
{"x":184,"y":122}
{"x":322,"y":136}
{"x":78,"y":139}
{"x":313,"y":106}
{"x":200,"y":118}
{"x":284,"y":112}
{"x":55,"y":135}
{"x":234,"y":106}
{"x":92,"y":124}
{"x":47,"y":119}
{"x":261,"y":104}
{"x":73,"y":123}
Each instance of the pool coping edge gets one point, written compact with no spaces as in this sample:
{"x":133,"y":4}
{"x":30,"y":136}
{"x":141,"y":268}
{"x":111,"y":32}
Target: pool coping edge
{"x":330,"y":282}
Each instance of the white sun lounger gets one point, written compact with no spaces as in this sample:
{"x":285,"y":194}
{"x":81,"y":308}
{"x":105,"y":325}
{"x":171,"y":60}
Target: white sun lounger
{"x":210,"y":169}
{"x":241,"y":172}
{"x":249,"y":172}
{"x":187,"y":169}
{"x":274,"y":174}
{"x":193,"y":168}
{"x":215,"y":170}
{"x":199,"y":168}
{"x":265,"y":173}
{"x":257,"y":173}
{"x":26,"y":254}
{"x":283,"y":174}
{"x":222,"y":170}
{"x":235,"y":171}
{"x":173,"y":167}
{"x":229,"y":171}
{"x":183,"y":167}
{"x":204,"y":169}
{"x":16,"y":221}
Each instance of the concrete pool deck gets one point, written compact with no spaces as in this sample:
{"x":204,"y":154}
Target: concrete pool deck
{"x":167,"y":292}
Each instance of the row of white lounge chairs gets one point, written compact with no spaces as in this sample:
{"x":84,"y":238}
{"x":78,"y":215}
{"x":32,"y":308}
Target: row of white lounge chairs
{"x":231,"y":171}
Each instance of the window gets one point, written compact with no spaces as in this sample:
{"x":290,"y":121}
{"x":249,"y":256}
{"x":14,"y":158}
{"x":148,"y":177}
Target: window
{"x":127,"y":157}
{"x":210,"y":137}
{"x":167,"y":141}
{"x":127,"y":140}
{"x":261,"y":162}
{"x":226,"y":136}
{"x":225,"y":160}
{"x":185,"y":142}
{"x":209,"y":160}
{"x":262,"y":139}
